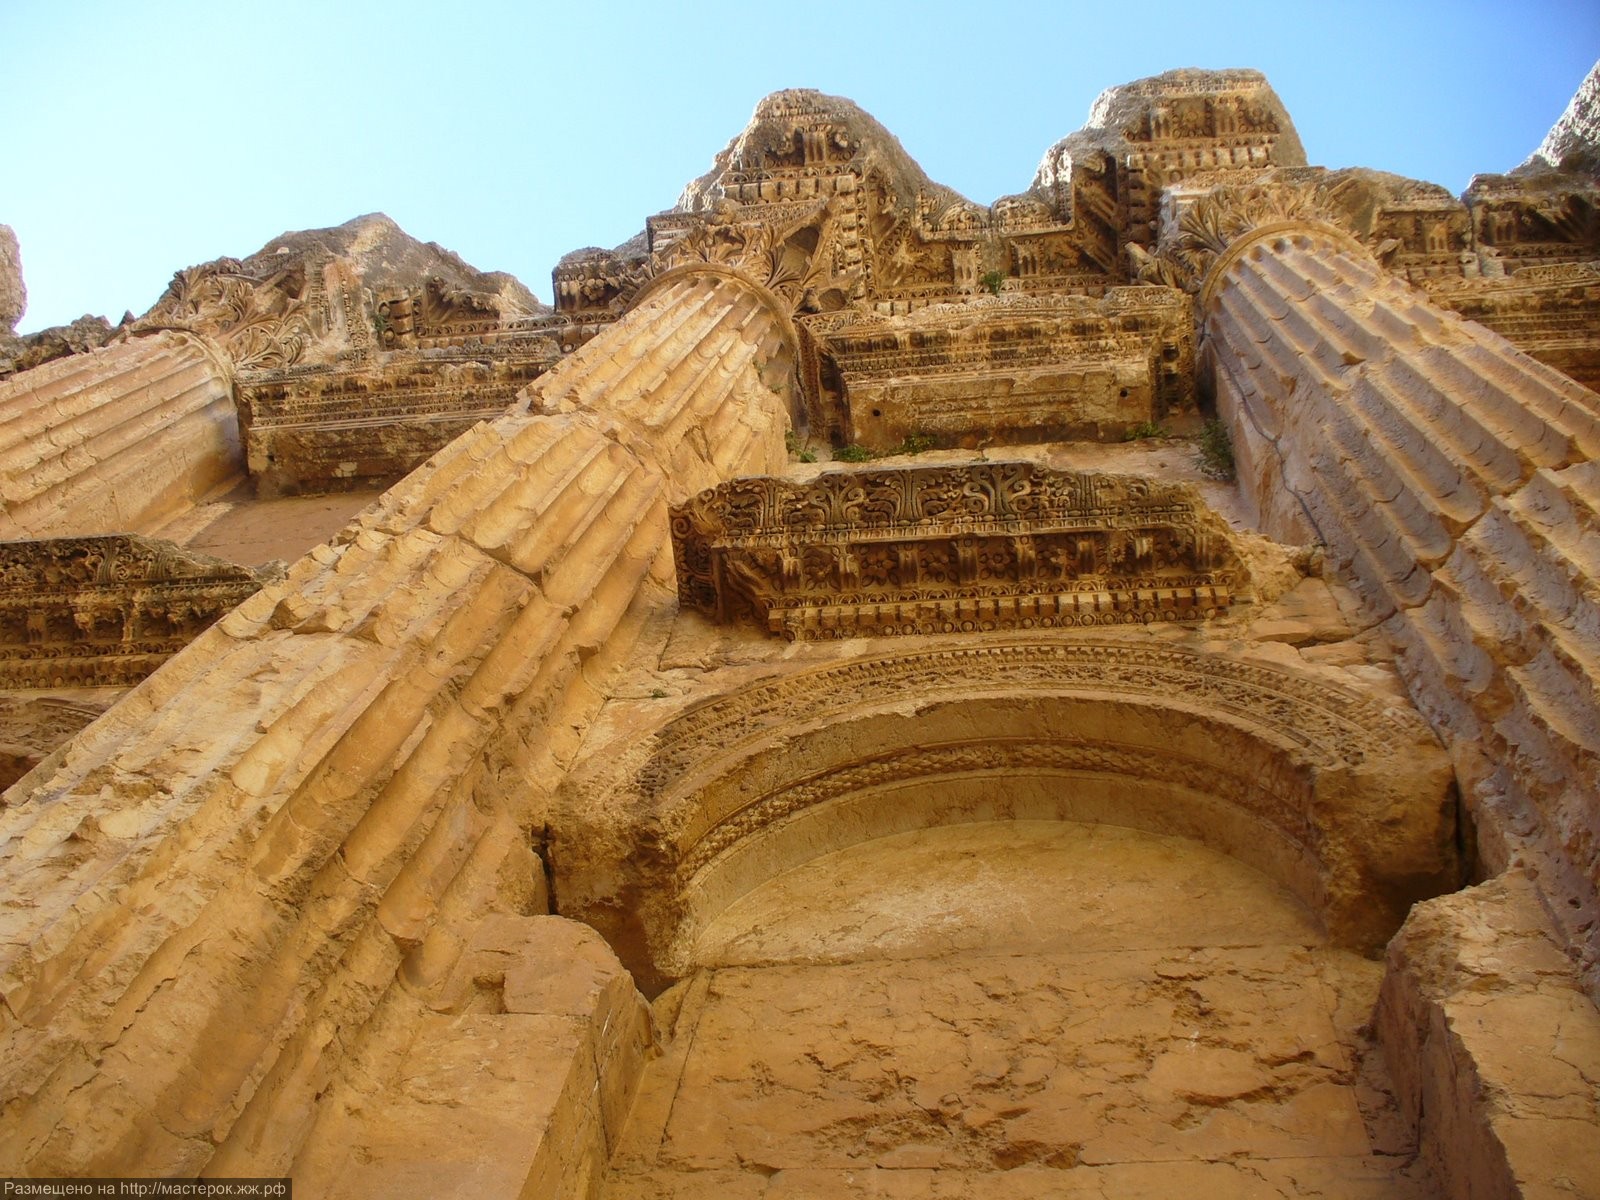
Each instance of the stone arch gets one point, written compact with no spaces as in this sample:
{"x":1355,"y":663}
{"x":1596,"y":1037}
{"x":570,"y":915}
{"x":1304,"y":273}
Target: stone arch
{"x":1346,"y":800}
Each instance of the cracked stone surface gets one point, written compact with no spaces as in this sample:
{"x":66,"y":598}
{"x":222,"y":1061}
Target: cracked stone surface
{"x":1019,"y":1009}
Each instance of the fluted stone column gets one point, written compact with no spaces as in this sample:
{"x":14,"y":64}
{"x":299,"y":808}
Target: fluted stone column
{"x":1453,"y":480}
{"x":116,"y":440}
{"x":237,"y":892}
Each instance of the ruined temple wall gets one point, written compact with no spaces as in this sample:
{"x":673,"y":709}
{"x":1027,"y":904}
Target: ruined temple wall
{"x":116,"y":440}
{"x":249,"y":881}
{"x":1451,"y":478}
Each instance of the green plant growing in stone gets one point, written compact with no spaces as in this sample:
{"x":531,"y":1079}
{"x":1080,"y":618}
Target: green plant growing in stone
{"x":1216,"y":450}
{"x":914,"y":443}
{"x":1142,"y":431}
{"x":993,"y":280}
{"x":798,"y":450}
{"x":852,"y":454}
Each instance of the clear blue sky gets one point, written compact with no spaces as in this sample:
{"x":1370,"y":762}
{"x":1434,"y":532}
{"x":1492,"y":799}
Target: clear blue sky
{"x":145,"y":136}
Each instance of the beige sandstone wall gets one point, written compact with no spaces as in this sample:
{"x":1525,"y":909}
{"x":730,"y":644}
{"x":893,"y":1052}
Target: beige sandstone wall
{"x":1493,"y":1046}
{"x":1453,"y":481}
{"x":249,"y":884}
{"x":1451,"y":476}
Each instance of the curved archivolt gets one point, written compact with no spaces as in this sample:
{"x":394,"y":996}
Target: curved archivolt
{"x":1346,"y":800}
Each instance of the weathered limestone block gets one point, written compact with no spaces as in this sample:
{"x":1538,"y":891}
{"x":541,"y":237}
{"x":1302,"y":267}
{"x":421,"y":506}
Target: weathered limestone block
{"x":1344,"y":799}
{"x":320,"y":430}
{"x":1004,"y":369}
{"x":13,"y":294}
{"x":518,"y":1087}
{"x":1017,"y":1008}
{"x":1452,"y":477}
{"x":117,"y":440}
{"x":252,"y":860}
{"x":1493,"y":1046}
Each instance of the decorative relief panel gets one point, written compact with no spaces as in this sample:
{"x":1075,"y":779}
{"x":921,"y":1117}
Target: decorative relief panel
{"x":1006,"y":545}
{"x":327,"y":429}
{"x":1332,"y":727}
{"x":1549,"y":312}
{"x":106,"y":611}
{"x":1008,"y":368}
{"x":263,"y":317}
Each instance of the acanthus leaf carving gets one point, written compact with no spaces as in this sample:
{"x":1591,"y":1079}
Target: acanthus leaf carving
{"x":263,"y":321}
{"x":940,"y":549}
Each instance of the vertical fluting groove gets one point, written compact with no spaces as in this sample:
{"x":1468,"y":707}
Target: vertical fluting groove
{"x":301,"y":865}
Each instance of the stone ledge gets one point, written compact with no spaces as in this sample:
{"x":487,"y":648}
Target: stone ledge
{"x":1493,"y":1046}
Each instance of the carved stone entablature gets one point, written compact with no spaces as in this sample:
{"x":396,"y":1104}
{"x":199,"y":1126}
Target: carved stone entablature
{"x":106,"y":611}
{"x":1543,"y":218}
{"x":320,"y":430}
{"x":1008,"y":545}
{"x":797,"y":145}
{"x":957,"y":248}
{"x":598,"y":281}
{"x":1009,"y":368}
{"x":439,"y":312}
{"x":1157,"y":133}
{"x":813,"y":254}
{"x":262,"y":318}
{"x":1415,"y":229}
{"x":1549,"y":312}
{"x":325,"y":296}
{"x":813,"y":200}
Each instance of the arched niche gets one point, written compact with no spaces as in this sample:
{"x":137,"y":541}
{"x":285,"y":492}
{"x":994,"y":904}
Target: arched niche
{"x":1344,"y":798}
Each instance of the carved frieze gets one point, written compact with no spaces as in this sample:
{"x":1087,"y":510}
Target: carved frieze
{"x":326,"y":429}
{"x":599,"y":284}
{"x":106,"y":611}
{"x":1543,"y":219}
{"x":1009,"y":368}
{"x":1008,"y":545}
{"x":438,"y":311}
{"x":263,"y":317}
{"x":1550,"y":312}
